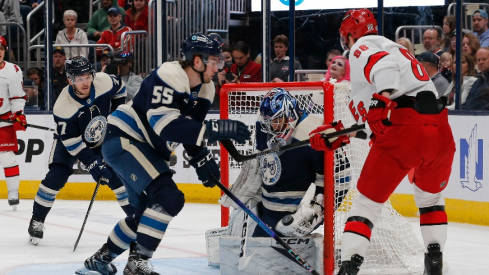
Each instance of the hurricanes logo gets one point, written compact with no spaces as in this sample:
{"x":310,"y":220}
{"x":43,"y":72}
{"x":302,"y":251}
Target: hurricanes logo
{"x":270,"y":168}
{"x":95,"y":131}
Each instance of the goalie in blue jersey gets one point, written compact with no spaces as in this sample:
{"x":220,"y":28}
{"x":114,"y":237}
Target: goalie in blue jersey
{"x":291,"y":183}
{"x":169,"y":109}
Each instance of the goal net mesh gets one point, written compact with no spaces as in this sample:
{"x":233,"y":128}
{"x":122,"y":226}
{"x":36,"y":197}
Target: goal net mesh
{"x":394,"y":248}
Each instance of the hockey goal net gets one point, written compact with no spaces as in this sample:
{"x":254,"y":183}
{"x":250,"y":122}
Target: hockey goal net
{"x":394,"y":248}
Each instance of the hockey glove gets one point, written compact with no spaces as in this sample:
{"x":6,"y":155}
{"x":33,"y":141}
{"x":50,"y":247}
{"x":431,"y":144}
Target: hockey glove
{"x":99,"y":170}
{"x":319,"y":143}
{"x":227,"y":129}
{"x":20,"y":123}
{"x":379,"y":114}
{"x":206,"y":168}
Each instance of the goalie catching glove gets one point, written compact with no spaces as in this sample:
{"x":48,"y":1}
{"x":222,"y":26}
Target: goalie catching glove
{"x":227,"y":129}
{"x":308,"y":217}
{"x":379,"y":114}
{"x":320,"y":143}
{"x":206,"y":168}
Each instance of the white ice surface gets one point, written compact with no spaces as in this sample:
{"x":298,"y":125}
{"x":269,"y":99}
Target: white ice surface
{"x":182,"y":250}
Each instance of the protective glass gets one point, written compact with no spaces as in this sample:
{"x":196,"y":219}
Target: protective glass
{"x":216,"y":63}
{"x":81,"y":79}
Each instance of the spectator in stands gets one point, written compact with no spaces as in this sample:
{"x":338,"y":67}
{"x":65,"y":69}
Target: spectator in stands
{"x":244,"y":69}
{"x":448,"y":29}
{"x":137,"y":15}
{"x":469,"y":77}
{"x":99,"y":23}
{"x":478,"y":97}
{"x":31,"y":92}
{"x":446,"y":66}
{"x":406,"y":42}
{"x":479,"y":25}
{"x":105,"y":58}
{"x":330,"y":55}
{"x":470,"y":45}
{"x":72,"y":35}
{"x":113,"y":35}
{"x":432,"y":41}
{"x":59,"y":78}
{"x":11,"y":11}
{"x":338,"y":71}
{"x":430,"y":62}
{"x":37,"y":76}
{"x":3,"y":28}
{"x":131,"y":80}
{"x":279,"y":69}
{"x":125,"y":4}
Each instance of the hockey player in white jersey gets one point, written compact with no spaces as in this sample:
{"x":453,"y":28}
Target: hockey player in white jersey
{"x":80,"y":114}
{"x":392,"y":92}
{"x":12,"y":101}
{"x":169,"y":109}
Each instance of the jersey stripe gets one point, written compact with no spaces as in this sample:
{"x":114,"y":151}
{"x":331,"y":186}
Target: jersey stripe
{"x":161,"y":117}
{"x":372,"y":60}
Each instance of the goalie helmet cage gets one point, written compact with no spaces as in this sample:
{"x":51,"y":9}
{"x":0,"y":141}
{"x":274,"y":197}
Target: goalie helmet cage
{"x":394,"y":248}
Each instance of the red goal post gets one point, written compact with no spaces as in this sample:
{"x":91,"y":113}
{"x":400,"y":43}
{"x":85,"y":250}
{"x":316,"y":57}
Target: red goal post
{"x":394,"y":248}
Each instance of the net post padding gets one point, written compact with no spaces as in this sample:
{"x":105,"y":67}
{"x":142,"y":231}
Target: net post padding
{"x":394,"y":248}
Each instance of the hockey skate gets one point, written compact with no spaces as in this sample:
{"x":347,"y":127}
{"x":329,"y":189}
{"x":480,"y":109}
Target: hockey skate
{"x":13,"y":199}
{"x":433,"y":260}
{"x":98,"y":263}
{"x":351,"y":267}
{"x":138,"y":265}
{"x":35,"y":230}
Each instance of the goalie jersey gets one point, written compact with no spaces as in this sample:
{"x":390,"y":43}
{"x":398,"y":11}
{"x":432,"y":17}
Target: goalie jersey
{"x":81,"y":123}
{"x":165,"y":112}
{"x":286,"y":176}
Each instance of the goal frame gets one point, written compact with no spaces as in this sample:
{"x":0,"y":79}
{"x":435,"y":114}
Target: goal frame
{"x":329,"y":199}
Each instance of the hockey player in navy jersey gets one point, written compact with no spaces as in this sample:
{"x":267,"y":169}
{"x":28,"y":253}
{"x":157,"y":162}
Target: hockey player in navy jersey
{"x":169,"y":109}
{"x":80,"y":114}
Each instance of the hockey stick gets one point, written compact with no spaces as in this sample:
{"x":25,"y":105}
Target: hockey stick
{"x":228,"y":144}
{"x":88,"y":212}
{"x":265,"y":227}
{"x":244,"y":260}
{"x":29,"y":125}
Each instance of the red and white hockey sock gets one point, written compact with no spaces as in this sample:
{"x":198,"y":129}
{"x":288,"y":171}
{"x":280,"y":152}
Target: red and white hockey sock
{"x":12,"y":177}
{"x":356,"y":237}
{"x":433,"y":222}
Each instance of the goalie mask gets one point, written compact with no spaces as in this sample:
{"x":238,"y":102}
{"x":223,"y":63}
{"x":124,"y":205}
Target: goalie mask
{"x":279,"y":112}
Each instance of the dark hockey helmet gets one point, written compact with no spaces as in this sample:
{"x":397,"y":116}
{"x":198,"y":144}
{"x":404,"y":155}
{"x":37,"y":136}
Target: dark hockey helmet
{"x":3,"y":42}
{"x":77,"y":66}
{"x":203,"y":45}
{"x":279,"y":113}
{"x":357,"y":23}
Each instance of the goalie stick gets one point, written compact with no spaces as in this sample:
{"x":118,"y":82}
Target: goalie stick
{"x":29,"y":125}
{"x":267,"y":229}
{"x":236,"y":155}
{"x":88,"y":212}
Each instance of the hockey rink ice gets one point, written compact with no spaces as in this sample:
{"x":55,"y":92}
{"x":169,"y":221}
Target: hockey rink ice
{"x":182,"y":250}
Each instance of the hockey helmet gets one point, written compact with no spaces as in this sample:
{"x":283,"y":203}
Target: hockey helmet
{"x":357,"y":23}
{"x":77,"y":66}
{"x":203,"y":45}
{"x":3,"y":42}
{"x":279,"y":113}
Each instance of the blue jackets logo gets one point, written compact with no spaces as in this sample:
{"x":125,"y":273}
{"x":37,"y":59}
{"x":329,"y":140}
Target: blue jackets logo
{"x":471,"y":162}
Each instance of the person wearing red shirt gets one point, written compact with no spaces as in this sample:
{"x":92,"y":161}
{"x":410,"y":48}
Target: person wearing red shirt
{"x":137,"y":16}
{"x":113,"y":35}
{"x":244,"y":69}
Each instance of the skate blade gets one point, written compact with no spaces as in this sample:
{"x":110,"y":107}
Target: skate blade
{"x":34,"y":240}
{"x":14,"y":207}
{"x":85,"y":271}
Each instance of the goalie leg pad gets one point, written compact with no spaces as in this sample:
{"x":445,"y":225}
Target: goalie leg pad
{"x":247,"y":186}
{"x":309,"y":215}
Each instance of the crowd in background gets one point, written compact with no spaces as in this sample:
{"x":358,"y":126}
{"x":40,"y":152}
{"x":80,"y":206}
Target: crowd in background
{"x":115,"y":17}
